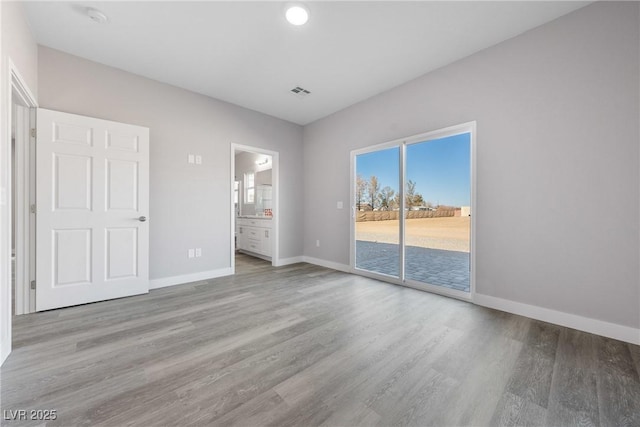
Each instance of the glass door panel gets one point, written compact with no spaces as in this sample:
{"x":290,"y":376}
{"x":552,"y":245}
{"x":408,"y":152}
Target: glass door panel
{"x":437,"y":211}
{"x":377,"y":222}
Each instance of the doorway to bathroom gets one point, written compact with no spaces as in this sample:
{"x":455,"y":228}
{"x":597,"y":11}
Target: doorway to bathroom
{"x":254,"y":201}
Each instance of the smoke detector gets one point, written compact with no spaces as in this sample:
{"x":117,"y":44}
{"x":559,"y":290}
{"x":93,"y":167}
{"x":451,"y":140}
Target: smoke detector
{"x":96,"y":15}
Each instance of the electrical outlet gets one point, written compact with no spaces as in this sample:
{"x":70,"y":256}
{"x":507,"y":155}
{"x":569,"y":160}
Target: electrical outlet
{"x":317,"y":243}
{"x":198,"y":252}
{"x":191,"y":253}
{"x":198,"y":159}
{"x":339,"y":205}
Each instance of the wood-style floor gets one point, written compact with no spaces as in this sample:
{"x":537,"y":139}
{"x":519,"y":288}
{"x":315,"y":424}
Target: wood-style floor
{"x":303,"y":346}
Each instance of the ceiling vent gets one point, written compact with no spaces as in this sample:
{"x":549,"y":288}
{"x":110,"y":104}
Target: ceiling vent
{"x":300,"y":92}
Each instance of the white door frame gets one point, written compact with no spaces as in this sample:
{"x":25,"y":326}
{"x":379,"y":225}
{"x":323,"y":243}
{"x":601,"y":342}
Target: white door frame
{"x":24,"y":197}
{"x":469,"y":127}
{"x":16,"y":86}
{"x":275,"y":156}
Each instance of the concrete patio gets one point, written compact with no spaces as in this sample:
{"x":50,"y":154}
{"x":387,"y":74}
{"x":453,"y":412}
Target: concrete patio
{"x":449,"y":269}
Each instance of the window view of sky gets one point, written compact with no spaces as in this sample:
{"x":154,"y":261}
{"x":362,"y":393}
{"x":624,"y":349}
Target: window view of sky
{"x":440,"y":168}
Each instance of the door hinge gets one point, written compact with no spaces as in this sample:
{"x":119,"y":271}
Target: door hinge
{"x":33,"y":284}
{"x":32,"y":208}
{"x":33,"y":133}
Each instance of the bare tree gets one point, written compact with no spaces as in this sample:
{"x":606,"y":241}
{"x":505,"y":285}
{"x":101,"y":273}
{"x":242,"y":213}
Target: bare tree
{"x":361,"y":190}
{"x":374,"y":188}
{"x":386,"y":198}
{"x":411,"y":197}
{"x":410,"y":194}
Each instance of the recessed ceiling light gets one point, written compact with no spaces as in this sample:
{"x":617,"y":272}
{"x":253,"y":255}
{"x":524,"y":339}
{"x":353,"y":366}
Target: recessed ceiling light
{"x":96,"y":15}
{"x":297,"y":14}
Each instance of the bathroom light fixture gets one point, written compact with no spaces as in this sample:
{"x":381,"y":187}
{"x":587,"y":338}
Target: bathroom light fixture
{"x":297,"y":14}
{"x":96,"y":15}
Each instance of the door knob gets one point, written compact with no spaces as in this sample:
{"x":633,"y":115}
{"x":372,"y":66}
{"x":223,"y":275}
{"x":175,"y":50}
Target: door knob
{"x":142,"y":219}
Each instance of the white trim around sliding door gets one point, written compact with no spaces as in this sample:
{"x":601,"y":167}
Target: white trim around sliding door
{"x":402,"y":143}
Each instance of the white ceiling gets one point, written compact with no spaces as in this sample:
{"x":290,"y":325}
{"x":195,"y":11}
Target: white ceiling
{"x":247,"y":54}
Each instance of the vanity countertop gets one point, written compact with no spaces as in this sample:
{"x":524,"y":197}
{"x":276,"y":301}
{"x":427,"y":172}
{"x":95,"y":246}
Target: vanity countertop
{"x":255,"y":217}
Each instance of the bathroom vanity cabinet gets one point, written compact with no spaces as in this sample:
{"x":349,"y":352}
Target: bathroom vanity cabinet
{"x":254,"y":236}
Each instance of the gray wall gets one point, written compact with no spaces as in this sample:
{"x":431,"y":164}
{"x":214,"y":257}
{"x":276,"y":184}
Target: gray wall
{"x":190,"y":204}
{"x":557,"y":113}
{"x":18,"y":44}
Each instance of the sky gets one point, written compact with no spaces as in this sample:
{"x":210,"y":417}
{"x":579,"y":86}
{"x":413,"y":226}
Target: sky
{"x":440,"y":168}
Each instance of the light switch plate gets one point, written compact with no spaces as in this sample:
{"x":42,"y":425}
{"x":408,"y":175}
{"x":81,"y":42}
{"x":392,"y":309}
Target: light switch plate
{"x":198,"y":252}
{"x":190,"y":159}
{"x":191,"y":253}
{"x":198,"y":159}
{"x":339,"y":205}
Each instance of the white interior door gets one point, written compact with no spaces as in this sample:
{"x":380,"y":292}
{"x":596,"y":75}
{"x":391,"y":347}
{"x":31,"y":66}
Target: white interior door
{"x":92,"y":194}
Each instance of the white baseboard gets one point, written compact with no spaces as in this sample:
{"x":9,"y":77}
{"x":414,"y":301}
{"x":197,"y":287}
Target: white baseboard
{"x":187,"y":278}
{"x":329,"y":264}
{"x":288,"y":261}
{"x":586,"y":324}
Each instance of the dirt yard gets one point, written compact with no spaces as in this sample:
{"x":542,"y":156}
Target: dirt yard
{"x":450,"y":233}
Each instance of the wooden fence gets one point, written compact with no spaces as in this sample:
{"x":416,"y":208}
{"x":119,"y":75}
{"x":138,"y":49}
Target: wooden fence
{"x":390,"y":215}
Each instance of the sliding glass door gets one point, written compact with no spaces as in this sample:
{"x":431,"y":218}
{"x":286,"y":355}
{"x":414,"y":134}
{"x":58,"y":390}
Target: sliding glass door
{"x":377,"y":226}
{"x":412,"y":211}
{"x":438,"y":207}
